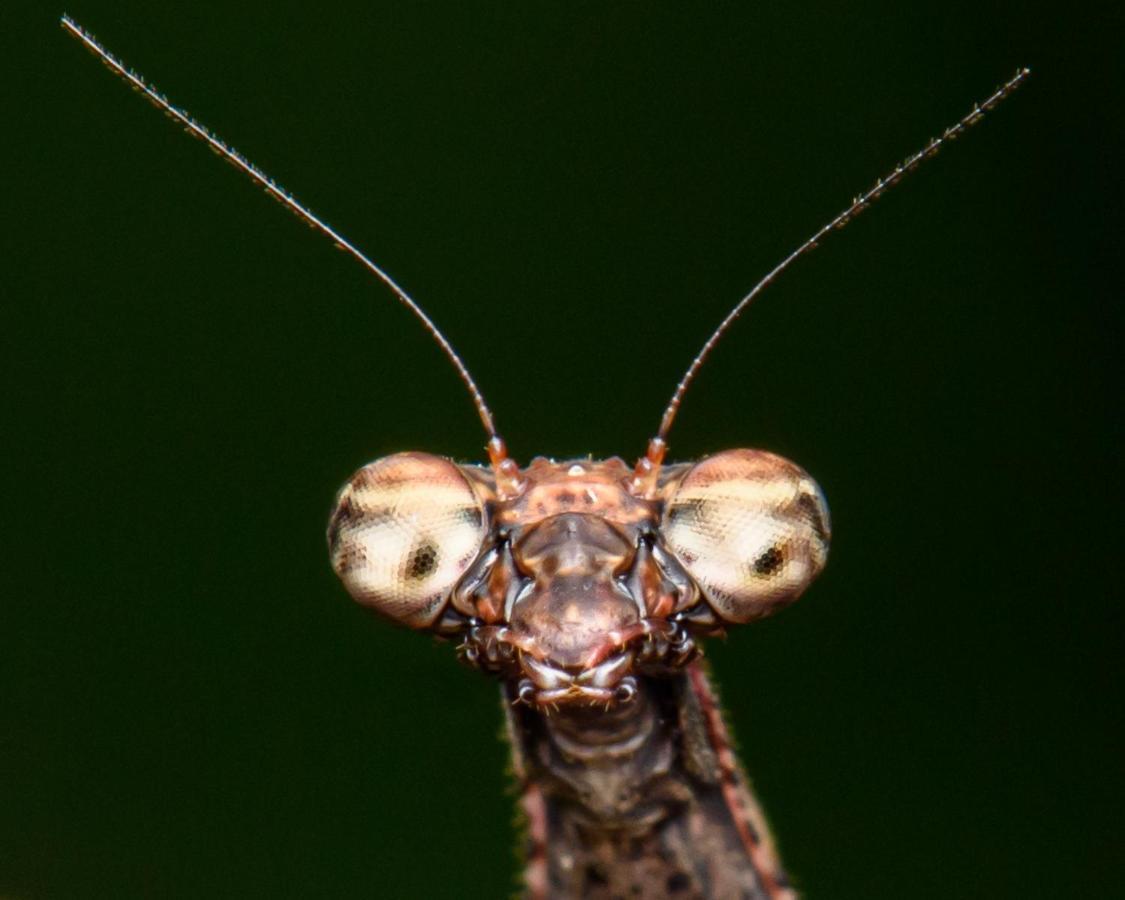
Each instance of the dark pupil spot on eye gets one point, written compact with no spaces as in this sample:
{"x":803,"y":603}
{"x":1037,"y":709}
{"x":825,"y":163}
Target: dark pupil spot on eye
{"x":769,"y":562}
{"x":422,"y":561}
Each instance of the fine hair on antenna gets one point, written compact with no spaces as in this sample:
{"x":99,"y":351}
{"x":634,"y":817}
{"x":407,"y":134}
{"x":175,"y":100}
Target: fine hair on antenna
{"x":240,"y":162}
{"x":648,"y":465}
{"x":858,"y":205}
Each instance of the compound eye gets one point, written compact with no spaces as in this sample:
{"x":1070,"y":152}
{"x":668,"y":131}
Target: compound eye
{"x":405,"y":529}
{"x":751,"y":528}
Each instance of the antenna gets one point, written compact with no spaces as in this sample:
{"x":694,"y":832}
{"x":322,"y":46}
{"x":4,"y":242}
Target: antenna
{"x":647,"y":467}
{"x":495,"y":445}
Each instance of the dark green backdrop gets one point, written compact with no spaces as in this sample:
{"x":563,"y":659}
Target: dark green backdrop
{"x":192,"y":707}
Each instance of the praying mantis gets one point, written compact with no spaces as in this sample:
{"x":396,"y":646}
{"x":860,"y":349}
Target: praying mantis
{"x":586,"y":588}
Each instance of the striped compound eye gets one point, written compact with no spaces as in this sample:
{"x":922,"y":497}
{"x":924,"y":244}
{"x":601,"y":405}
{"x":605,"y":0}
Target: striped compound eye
{"x":751,"y":528}
{"x":405,"y":529}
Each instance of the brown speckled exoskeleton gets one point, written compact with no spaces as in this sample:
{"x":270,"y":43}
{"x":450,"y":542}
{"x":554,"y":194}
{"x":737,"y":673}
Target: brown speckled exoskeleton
{"x":585,"y":587}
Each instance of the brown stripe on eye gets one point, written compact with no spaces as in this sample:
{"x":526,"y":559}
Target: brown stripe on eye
{"x":811,"y":508}
{"x":345,"y":512}
{"x":374,"y":515}
{"x":470,"y":515}
{"x":352,"y":557}
{"x":355,"y":517}
{"x":384,"y":477}
{"x":696,"y":509}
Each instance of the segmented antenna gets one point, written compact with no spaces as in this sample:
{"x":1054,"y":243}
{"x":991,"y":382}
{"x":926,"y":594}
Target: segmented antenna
{"x":240,"y":162}
{"x":858,"y":205}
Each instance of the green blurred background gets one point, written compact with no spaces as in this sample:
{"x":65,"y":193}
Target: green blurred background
{"x":190,"y":705}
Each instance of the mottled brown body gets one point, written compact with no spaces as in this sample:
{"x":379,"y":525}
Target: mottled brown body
{"x":642,"y":801}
